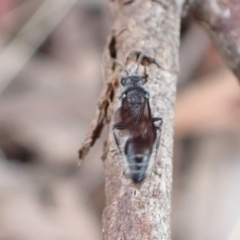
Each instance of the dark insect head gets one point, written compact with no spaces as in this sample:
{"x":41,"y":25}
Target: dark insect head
{"x":133,"y":81}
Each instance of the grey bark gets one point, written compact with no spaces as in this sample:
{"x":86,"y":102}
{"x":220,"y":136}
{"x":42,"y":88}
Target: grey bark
{"x":143,"y":212}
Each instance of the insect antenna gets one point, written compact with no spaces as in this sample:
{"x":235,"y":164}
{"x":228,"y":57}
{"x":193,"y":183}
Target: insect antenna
{"x":119,"y":64}
{"x":140,"y":58}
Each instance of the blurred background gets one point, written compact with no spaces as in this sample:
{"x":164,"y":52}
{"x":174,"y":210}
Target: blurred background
{"x":51,"y":79}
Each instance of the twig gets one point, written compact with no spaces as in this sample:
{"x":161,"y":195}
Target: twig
{"x":143,"y":211}
{"x":221,"y":19}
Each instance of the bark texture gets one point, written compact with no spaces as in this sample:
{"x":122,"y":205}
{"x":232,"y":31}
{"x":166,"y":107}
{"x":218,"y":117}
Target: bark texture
{"x":143,"y":211}
{"x":222,"y":18}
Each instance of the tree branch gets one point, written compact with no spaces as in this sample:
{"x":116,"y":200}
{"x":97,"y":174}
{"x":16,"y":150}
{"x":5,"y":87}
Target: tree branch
{"x":221,"y":18}
{"x":143,"y":211}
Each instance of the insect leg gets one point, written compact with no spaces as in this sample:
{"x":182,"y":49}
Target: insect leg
{"x":145,"y":75}
{"x":117,"y":126}
{"x":159,"y":129}
{"x":118,"y":63}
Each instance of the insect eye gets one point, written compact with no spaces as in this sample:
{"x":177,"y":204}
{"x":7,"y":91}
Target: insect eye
{"x":123,"y":81}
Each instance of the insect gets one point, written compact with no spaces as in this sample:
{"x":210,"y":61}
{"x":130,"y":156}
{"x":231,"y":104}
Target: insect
{"x":136,"y":119}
